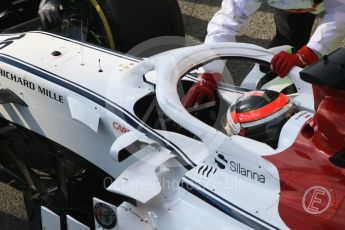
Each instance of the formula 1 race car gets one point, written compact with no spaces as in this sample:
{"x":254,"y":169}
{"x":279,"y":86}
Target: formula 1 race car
{"x":99,"y":140}
{"x":118,"y":25}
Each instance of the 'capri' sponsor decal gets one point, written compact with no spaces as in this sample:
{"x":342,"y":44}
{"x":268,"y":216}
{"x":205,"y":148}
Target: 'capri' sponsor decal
{"x":119,"y":128}
{"x":236,"y":167}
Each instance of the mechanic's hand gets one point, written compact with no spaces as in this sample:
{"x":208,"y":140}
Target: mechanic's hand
{"x":49,"y":13}
{"x":283,"y":62}
{"x":203,"y":91}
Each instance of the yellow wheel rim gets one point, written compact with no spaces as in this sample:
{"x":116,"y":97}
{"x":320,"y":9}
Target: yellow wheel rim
{"x":105,"y":23}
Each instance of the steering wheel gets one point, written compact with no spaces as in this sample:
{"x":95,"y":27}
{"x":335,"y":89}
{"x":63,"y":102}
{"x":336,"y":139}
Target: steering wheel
{"x":172,"y":65}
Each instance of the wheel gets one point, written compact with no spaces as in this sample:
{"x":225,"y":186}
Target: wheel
{"x":122,"y":25}
{"x":132,"y":22}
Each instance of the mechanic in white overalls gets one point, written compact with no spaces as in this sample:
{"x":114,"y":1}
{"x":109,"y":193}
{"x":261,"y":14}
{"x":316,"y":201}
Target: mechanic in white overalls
{"x":234,"y":14}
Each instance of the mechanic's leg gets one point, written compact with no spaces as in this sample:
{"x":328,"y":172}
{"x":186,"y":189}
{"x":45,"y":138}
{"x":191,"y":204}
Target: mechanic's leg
{"x":292,"y":29}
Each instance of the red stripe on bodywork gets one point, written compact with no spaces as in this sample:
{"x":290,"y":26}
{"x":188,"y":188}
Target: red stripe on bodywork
{"x":312,"y":188}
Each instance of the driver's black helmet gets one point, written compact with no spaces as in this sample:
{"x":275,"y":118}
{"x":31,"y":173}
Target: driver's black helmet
{"x":260,"y":115}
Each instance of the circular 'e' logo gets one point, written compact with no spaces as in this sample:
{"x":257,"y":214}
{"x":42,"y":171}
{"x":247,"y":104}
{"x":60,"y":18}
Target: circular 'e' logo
{"x":105,"y":216}
{"x":316,"y":200}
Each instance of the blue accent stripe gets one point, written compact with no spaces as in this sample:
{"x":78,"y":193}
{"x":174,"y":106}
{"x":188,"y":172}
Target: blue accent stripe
{"x":225,"y":206}
{"x":98,"y":99}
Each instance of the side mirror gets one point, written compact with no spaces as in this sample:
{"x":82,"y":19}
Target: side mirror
{"x":338,"y":159}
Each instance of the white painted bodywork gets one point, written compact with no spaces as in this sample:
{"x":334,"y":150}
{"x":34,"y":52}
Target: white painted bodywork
{"x":49,"y":220}
{"x":75,"y":225}
{"x":85,"y":103}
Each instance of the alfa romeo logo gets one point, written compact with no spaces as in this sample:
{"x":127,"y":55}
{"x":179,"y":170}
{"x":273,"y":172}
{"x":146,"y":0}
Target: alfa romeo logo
{"x":316,"y":200}
{"x":105,"y":216}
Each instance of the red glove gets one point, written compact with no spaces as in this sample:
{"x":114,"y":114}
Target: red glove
{"x":283,"y":62}
{"x":203,"y":91}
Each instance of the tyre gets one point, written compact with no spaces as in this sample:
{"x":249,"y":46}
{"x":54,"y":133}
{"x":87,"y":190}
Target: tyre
{"x":132,"y":22}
